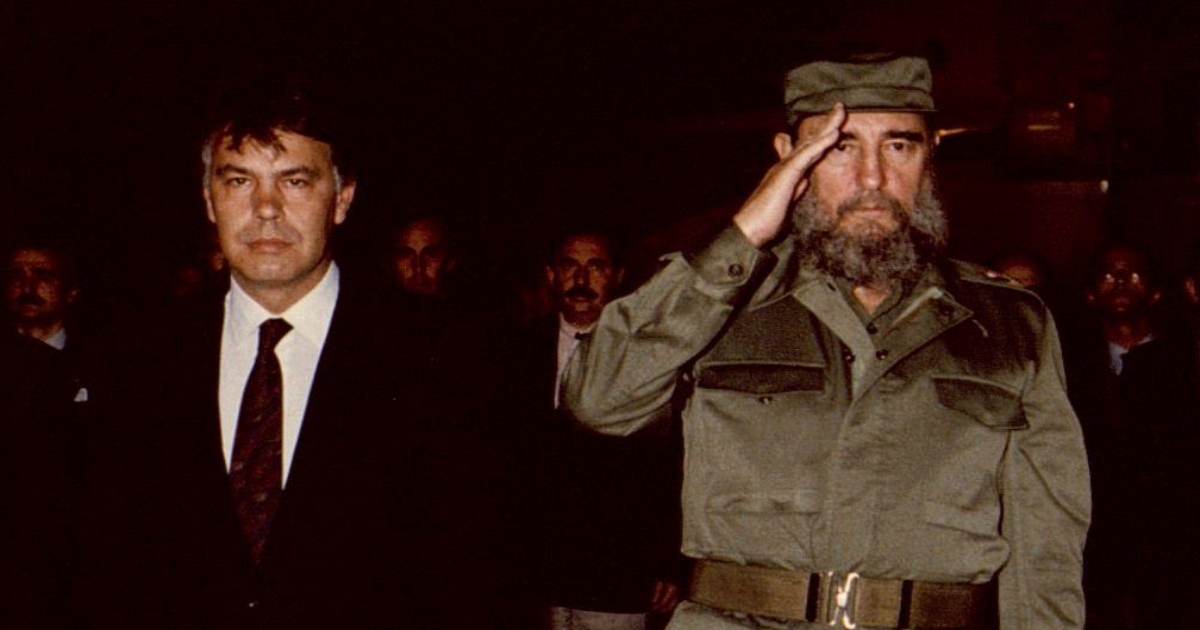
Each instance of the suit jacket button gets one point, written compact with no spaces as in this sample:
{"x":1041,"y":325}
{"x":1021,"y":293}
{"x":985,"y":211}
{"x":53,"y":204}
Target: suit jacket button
{"x":848,"y":357}
{"x":736,"y":270}
{"x":766,"y":400}
{"x":881,"y":355}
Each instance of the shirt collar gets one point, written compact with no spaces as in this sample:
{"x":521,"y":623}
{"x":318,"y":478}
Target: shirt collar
{"x":58,"y":340}
{"x":309,"y":316}
{"x":568,"y":329}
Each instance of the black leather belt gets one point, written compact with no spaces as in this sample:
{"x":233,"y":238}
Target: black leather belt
{"x":846,"y":598}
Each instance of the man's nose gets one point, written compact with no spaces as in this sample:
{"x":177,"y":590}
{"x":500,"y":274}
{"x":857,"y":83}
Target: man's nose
{"x":267,"y":202}
{"x":870,"y":171}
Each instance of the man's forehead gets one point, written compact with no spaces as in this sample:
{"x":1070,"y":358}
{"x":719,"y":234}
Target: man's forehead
{"x":860,"y":123}
{"x":586,"y":246}
{"x":423,"y":231}
{"x":1124,"y":258}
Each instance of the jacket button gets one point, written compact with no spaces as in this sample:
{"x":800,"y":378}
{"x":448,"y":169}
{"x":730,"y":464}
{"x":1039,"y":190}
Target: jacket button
{"x":881,"y":355}
{"x":766,"y":400}
{"x":871,"y":329}
{"x":848,"y":357}
{"x":736,"y":270}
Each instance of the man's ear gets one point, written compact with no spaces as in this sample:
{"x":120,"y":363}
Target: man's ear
{"x":72,"y":294}
{"x":620,"y":277}
{"x":1154,"y":297}
{"x":208,"y":206}
{"x":345,"y":197}
{"x":783,"y":144}
{"x":1189,"y":289}
{"x":549,"y":275}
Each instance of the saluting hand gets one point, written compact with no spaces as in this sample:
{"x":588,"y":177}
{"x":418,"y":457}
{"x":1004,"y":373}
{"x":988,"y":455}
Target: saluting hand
{"x":764,"y":213}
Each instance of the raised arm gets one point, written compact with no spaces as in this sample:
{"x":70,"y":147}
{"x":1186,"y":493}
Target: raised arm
{"x":624,"y":376}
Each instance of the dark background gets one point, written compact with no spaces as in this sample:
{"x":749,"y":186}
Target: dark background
{"x":1078,"y":120}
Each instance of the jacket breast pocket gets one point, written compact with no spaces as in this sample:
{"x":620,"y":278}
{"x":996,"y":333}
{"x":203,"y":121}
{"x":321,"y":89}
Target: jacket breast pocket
{"x":990,"y":403}
{"x":973,"y":434}
{"x":762,"y":378}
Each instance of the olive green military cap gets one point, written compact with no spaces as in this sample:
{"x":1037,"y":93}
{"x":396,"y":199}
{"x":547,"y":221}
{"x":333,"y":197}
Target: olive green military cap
{"x":883,"y":84}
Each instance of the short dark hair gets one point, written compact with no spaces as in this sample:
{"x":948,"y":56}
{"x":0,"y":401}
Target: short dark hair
{"x":58,"y":248}
{"x":259,"y":108}
{"x":614,"y":241}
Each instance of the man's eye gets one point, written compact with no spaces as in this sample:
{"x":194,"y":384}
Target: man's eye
{"x":841,"y":147}
{"x":297,"y":182}
{"x":237,"y":181}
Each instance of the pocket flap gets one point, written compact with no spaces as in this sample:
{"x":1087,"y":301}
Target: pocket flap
{"x":990,"y":403}
{"x":780,"y":502}
{"x":762,"y":378}
{"x":983,"y":521}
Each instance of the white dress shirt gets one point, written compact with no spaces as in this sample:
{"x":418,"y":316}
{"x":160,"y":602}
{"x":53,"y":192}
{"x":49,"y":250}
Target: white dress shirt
{"x":568,"y":340}
{"x":298,"y":353}
{"x":1116,"y":353}
{"x":58,"y":340}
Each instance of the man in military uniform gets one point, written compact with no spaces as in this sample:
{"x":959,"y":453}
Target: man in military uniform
{"x":876,"y":436}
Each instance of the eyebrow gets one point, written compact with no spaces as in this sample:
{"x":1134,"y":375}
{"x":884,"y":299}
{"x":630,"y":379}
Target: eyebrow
{"x":911,"y":136}
{"x":298,"y":170}
{"x":230,"y":168}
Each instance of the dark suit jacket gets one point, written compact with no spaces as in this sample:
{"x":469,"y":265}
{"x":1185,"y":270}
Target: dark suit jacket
{"x":376,"y":526}
{"x":38,"y":483}
{"x":600,"y":514}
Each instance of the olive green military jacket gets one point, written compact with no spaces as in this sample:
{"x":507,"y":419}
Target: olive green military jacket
{"x":942,"y":450}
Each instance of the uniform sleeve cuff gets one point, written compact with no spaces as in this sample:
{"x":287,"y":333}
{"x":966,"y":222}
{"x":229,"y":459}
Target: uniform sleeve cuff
{"x":727,"y":262}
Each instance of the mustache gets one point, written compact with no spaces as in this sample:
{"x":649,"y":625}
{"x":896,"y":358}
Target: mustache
{"x":581,"y":291}
{"x":872,"y":199}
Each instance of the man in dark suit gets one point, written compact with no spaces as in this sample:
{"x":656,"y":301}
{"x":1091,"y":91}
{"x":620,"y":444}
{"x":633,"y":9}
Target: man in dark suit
{"x":602,"y":523}
{"x":1132,"y":379}
{"x":276,"y":467}
{"x":41,"y":292}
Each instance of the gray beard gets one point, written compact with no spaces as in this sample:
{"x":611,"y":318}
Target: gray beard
{"x":872,"y":257}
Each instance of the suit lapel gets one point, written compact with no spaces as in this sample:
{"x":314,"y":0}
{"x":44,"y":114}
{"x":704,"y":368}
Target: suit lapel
{"x":547,"y":340}
{"x":198,"y":390}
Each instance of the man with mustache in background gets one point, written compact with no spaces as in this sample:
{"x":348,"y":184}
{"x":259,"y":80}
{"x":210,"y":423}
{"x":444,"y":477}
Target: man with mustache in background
{"x":40,"y":292}
{"x":598,"y":523}
{"x":876,"y":436}
{"x":39,"y":289}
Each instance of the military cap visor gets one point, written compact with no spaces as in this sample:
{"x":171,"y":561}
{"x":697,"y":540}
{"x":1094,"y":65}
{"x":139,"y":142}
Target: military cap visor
{"x":901,"y":84}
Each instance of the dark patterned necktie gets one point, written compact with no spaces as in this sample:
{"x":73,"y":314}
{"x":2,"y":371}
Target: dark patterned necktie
{"x":256,"y":472}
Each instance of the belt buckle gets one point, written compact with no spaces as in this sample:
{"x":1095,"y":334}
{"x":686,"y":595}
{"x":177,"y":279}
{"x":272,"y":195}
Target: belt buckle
{"x":842,"y":599}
